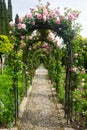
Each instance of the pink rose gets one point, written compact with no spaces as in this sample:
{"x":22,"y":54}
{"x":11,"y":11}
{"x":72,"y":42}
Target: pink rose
{"x":21,"y":26}
{"x":74,"y":69}
{"x":45,"y":12}
{"x":39,"y":16}
{"x":46,"y":46}
{"x":44,"y":18}
{"x":29,"y":15}
{"x":71,"y":17}
{"x":22,"y":37}
{"x":21,"y":20}
{"x":34,"y":34}
{"x":57,"y":11}
{"x":58,"y":21}
{"x":54,"y":15}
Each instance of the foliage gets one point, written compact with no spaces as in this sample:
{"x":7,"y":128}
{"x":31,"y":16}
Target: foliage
{"x":5,"y":45}
{"x":6,"y":99}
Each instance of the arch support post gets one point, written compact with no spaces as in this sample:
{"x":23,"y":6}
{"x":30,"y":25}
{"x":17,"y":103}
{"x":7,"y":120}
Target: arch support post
{"x":68,"y":104}
{"x":15,"y":84}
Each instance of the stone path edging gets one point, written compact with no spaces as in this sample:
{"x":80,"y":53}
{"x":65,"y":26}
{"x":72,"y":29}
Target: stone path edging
{"x":23,"y":104}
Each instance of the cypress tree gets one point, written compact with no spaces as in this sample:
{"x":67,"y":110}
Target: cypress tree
{"x":16,"y":18}
{"x":9,"y":11}
{"x":5,"y":17}
{"x":1,"y":16}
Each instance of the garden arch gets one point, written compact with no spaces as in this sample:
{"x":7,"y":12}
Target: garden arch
{"x":44,"y":18}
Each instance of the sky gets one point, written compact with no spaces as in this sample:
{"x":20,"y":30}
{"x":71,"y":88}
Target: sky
{"x":21,"y":7}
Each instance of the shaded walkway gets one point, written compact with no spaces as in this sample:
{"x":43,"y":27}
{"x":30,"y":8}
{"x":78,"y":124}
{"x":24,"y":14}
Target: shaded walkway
{"x":41,"y":111}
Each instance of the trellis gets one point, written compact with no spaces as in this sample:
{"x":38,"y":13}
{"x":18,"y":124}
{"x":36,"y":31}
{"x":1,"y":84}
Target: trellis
{"x":63,"y":28}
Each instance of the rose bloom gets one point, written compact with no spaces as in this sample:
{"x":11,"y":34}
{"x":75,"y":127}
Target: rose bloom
{"x":76,"y":55}
{"x":29,"y":48}
{"x":71,"y":17}
{"x":34,"y":34}
{"x":27,"y":72}
{"x":11,"y":24}
{"x":39,"y":16}
{"x":10,"y":32}
{"x":45,"y":12}
{"x":21,"y":26}
{"x":83,"y":80}
{"x":29,"y":15}
{"x":22,"y":37}
{"x":58,"y":21}
{"x":44,"y":18}
{"x":54,"y":15}
{"x":74,"y":69}
{"x":21,"y":20}
{"x":46,"y":44}
{"x":57,"y":11}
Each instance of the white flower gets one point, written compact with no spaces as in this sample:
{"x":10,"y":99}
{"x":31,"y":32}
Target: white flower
{"x":83,"y":80}
{"x":11,"y":24}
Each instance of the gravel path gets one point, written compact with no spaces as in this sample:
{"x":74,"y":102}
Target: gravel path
{"x":42,"y":111}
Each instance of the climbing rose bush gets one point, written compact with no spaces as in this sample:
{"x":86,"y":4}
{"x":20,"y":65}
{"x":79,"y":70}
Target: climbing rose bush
{"x":45,"y":14}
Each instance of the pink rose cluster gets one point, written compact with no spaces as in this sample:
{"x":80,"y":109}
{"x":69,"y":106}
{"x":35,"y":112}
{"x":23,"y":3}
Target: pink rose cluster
{"x":46,"y":14}
{"x":20,"y":25}
{"x":43,"y":13}
{"x":72,"y":15}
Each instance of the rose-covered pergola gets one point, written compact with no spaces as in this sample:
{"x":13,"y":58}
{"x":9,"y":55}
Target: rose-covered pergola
{"x":40,"y":19}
